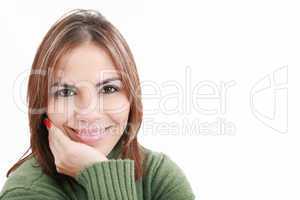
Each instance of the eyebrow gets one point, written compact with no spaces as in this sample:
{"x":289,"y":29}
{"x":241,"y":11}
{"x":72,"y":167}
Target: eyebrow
{"x":66,"y":85}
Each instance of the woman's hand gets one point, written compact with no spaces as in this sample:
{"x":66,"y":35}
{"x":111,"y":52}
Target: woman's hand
{"x":70,"y":156}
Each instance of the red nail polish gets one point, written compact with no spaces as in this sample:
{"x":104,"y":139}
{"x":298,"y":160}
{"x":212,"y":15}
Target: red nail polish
{"x":47,"y":123}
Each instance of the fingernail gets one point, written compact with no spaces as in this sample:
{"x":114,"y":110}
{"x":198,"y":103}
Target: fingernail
{"x":47,"y":123}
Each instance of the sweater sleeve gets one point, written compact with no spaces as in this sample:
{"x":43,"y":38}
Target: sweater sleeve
{"x":31,"y":194}
{"x":111,"y":180}
{"x":169,"y":182}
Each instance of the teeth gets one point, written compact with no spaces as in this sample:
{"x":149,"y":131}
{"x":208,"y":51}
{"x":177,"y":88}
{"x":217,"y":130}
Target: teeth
{"x":92,"y":132}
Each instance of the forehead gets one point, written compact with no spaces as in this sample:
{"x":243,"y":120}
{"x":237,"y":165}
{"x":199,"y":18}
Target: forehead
{"x":86,"y":62}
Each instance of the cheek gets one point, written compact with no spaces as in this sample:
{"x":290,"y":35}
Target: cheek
{"x":59,"y":111}
{"x":116,"y":103}
{"x":118,"y":107}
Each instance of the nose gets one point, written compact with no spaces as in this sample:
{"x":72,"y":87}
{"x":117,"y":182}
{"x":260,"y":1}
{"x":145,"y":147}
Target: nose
{"x":87,"y":117}
{"x":86,"y":98}
{"x":86,"y":105}
{"x":89,"y":120}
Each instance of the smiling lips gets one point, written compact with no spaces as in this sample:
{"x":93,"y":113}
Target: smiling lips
{"x":94,"y":131}
{"x":90,"y":135}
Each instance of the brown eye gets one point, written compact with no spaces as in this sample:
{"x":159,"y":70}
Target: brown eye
{"x":109,"y":89}
{"x":64,"y":93}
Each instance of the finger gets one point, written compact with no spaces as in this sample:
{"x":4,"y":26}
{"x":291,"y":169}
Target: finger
{"x":55,"y":143}
{"x":52,"y":139}
{"x":53,"y":146}
{"x":58,"y":135}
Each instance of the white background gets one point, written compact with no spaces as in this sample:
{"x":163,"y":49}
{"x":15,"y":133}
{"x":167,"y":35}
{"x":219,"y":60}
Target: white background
{"x":254,"y":45}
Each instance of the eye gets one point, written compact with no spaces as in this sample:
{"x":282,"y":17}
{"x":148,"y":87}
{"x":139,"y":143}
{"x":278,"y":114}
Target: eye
{"x":109,"y":89}
{"x":64,"y":93}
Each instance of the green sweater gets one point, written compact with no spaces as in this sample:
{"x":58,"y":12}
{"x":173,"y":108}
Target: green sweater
{"x":112,"y":179}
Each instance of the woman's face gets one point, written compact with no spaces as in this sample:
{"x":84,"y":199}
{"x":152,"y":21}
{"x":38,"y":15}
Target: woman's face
{"x":87,"y":100}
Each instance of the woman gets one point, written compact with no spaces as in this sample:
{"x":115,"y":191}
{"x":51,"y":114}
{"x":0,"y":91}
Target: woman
{"x":85,"y":111}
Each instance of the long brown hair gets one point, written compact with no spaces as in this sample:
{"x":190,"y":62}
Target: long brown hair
{"x":74,"y":28}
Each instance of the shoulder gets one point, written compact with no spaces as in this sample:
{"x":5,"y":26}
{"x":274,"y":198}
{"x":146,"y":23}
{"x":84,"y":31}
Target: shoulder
{"x":155,"y":161}
{"x":164,"y":177}
{"x":29,"y":180}
{"x":158,"y":162}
